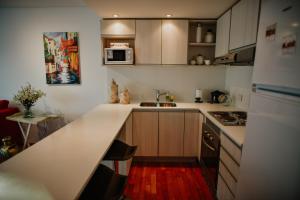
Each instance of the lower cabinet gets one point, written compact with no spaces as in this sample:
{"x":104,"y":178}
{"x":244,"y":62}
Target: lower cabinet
{"x":167,"y":133}
{"x":145,"y":132}
{"x":171,"y":132}
{"x":191,"y":133}
{"x":223,"y":192}
{"x":229,"y":166}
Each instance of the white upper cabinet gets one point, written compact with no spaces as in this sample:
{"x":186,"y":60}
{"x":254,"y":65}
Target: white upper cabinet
{"x":174,"y":41}
{"x":222,"y":36}
{"x":148,"y":42}
{"x":118,"y":28}
{"x":244,"y":21}
{"x":252,"y":21}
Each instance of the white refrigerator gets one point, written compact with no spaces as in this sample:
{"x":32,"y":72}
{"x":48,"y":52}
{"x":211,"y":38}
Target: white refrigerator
{"x":270,"y":164}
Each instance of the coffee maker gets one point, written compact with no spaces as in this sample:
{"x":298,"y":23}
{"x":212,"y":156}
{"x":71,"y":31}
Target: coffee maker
{"x":215,"y":96}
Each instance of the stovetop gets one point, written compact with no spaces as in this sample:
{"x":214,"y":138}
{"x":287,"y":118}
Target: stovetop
{"x":234,"y":118}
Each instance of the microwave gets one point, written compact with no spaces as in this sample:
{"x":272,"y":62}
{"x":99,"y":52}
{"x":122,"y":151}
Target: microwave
{"x":118,"y":56}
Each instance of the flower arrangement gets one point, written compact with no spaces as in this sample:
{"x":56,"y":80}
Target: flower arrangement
{"x":27,"y":96}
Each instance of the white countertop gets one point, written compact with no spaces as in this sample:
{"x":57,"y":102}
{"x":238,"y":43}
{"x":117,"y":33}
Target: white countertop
{"x":64,"y":161}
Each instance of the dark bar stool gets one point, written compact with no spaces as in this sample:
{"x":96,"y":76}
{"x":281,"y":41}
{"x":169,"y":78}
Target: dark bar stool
{"x":119,"y":151}
{"x":105,"y":184}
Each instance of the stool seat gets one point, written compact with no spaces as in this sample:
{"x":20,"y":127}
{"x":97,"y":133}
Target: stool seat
{"x":120,"y":151}
{"x":104,"y":184}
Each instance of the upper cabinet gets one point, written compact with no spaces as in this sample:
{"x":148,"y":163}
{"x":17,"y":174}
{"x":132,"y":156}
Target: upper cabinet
{"x":244,"y":21}
{"x":118,"y":28}
{"x":148,"y":42}
{"x":174,"y":41}
{"x":222,"y":36}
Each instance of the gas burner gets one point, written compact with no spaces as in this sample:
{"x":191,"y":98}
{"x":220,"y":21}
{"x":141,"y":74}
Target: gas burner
{"x":232,"y":118}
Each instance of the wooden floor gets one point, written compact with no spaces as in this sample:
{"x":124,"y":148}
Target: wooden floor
{"x":161,"y":181}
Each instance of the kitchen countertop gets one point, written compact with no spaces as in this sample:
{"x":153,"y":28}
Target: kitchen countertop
{"x":64,"y":161}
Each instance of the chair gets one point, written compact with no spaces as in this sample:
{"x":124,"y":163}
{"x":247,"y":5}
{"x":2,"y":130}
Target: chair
{"x":119,"y":151}
{"x":7,"y":127}
{"x":105,"y":185}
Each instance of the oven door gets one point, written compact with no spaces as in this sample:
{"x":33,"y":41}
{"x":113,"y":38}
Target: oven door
{"x":210,"y":150}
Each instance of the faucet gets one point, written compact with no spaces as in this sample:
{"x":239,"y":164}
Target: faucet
{"x":158,"y":94}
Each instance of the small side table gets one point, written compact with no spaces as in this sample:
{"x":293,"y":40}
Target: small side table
{"x":18,"y":117}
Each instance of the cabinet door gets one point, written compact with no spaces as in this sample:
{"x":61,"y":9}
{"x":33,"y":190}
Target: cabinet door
{"x":171,"y":130}
{"x":148,"y":42}
{"x":145,"y":133}
{"x":201,"y":118}
{"x":244,"y":22}
{"x":222,"y":36}
{"x":174,"y":41}
{"x":251,"y":24}
{"x":191,"y":134}
{"x":238,"y":23}
{"x":118,"y":28}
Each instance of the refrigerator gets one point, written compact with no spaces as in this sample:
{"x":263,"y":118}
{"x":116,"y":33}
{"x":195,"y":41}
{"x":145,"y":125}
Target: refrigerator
{"x":270,"y":163}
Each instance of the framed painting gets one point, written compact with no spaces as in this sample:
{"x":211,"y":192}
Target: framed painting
{"x":61,"y":52}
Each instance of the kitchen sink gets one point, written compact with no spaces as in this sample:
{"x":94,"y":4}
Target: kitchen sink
{"x":154,"y":104}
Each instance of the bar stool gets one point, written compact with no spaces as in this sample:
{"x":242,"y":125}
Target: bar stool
{"x":105,"y":184}
{"x":119,"y":151}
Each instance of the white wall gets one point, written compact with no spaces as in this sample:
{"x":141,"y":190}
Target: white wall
{"x":22,"y":57}
{"x":22,"y":60}
{"x":181,"y":81}
{"x":238,"y":83}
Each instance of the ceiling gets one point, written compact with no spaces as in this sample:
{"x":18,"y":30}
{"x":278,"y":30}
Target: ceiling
{"x":159,"y":8}
{"x":135,"y":8}
{"x":40,"y":3}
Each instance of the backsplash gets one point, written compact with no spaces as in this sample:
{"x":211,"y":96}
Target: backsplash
{"x":180,"y":80}
{"x":238,"y":83}
{"x":240,"y":97}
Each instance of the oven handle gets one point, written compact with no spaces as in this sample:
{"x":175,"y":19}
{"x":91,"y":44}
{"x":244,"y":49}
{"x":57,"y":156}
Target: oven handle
{"x":208,"y":146}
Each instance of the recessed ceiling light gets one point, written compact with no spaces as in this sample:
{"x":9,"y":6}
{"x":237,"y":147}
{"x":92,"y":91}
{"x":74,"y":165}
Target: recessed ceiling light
{"x":115,"y":15}
{"x":169,"y":15}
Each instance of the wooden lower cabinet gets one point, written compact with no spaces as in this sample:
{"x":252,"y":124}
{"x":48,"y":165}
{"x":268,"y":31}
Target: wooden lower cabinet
{"x":145,"y":133}
{"x":171,"y":133}
{"x":167,"y":133}
{"x":191,"y":133}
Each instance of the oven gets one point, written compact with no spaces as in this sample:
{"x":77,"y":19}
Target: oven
{"x":210,"y":152}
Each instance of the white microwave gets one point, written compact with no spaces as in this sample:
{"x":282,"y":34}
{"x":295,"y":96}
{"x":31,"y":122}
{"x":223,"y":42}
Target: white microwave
{"x":118,"y":56}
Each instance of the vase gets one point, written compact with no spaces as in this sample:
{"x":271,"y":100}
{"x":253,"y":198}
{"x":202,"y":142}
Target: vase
{"x":27,"y":112}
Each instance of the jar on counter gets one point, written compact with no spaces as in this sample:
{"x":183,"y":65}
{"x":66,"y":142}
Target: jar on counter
{"x":200,"y":59}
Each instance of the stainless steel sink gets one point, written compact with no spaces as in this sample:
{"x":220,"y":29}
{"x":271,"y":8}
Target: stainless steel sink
{"x":154,"y":104}
{"x":167,"y":104}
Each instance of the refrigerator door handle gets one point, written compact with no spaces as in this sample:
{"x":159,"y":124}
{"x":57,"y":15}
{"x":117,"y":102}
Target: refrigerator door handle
{"x":277,"y":91}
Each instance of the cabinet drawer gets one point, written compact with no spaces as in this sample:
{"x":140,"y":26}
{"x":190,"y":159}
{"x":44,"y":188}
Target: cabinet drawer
{"x":231,"y":148}
{"x":228,"y":178}
{"x":223,"y":192}
{"x":233,"y":167}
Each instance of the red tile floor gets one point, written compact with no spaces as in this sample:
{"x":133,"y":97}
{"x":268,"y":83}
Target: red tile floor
{"x":166,"y":182}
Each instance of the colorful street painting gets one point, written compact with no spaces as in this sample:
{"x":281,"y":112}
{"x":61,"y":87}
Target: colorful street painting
{"x":62,"y":57}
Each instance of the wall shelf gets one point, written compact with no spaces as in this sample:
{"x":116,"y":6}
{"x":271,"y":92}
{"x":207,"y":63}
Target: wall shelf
{"x":207,"y":50}
{"x":202,"y":44}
